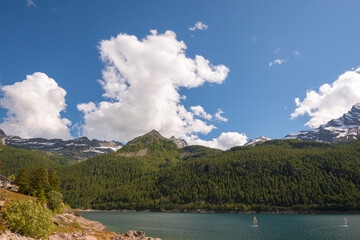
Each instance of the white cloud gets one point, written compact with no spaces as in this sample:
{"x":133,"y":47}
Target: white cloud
{"x":141,"y":80}
{"x":277,"y":50}
{"x":254,"y":39}
{"x":199,"y":26}
{"x":296,"y":54}
{"x":225,"y":141}
{"x":34,"y":107}
{"x":278,"y":61}
{"x":30,"y":3}
{"x":331,"y":100}
{"x":219,"y":117}
{"x":200,"y":112}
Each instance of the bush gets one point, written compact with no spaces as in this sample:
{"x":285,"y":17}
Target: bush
{"x":54,"y":200}
{"x":28,"y":218}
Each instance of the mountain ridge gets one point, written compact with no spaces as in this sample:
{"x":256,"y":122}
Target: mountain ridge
{"x":78,"y":149}
{"x":342,"y":129}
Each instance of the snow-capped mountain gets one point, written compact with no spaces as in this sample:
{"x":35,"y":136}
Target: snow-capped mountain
{"x":78,"y":149}
{"x":348,"y":120}
{"x":341,"y":129}
{"x":257,"y":140}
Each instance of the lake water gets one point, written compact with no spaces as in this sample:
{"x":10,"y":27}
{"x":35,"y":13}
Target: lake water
{"x":218,"y":226}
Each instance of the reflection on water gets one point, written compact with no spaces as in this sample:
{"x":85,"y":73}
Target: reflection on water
{"x":193,"y":226}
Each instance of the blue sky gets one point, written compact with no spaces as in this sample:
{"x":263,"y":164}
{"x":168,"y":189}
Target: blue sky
{"x":315,"y":42}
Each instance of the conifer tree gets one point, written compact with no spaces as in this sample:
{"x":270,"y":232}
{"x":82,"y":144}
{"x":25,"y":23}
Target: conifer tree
{"x":39,"y":181}
{"x":54,"y":181}
{"x":23,"y":180}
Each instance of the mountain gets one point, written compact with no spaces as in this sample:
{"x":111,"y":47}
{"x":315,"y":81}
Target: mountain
{"x":141,"y":157}
{"x":348,"y":120}
{"x":257,"y":140}
{"x":271,"y":176}
{"x":345,"y":128}
{"x":78,"y":149}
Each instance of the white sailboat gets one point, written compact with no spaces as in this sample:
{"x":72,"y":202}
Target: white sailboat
{"x":346,"y":221}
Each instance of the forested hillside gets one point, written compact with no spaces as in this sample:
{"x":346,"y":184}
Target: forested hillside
{"x":279,"y":174}
{"x":151,"y":172}
{"x":14,"y":159}
{"x":83,"y":183}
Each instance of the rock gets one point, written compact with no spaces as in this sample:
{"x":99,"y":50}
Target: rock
{"x":8,"y":235}
{"x":135,"y":234}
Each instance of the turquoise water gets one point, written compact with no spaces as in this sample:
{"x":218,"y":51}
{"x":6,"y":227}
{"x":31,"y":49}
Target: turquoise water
{"x":218,"y":226}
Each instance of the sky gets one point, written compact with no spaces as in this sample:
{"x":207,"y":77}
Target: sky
{"x":215,"y":73}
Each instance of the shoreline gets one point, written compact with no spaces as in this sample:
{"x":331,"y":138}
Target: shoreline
{"x":202,"y":211}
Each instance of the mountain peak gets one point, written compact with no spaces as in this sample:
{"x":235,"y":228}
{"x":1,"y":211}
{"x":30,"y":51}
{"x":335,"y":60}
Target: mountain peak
{"x":147,"y":138}
{"x":344,"y":128}
{"x":351,"y":119}
{"x":257,"y":140}
{"x":154,"y":133}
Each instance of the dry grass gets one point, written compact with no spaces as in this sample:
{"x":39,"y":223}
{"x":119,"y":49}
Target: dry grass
{"x":9,"y":195}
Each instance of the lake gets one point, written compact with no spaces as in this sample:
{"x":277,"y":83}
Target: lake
{"x":226,"y":226}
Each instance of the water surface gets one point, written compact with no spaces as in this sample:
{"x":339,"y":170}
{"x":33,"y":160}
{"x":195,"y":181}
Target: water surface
{"x":218,"y":226}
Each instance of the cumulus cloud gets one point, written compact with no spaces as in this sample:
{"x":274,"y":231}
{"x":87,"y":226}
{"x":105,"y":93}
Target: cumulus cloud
{"x":141,"y":80}
{"x":200,"y":112}
{"x":331,"y":100}
{"x":219,"y":117}
{"x":225,"y":141}
{"x":277,"y":61}
{"x":30,"y":3}
{"x":34,"y":107}
{"x":199,"y":26}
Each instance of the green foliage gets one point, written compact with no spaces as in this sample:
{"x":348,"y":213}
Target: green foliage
{"x":28,"y":218}
{"x":39,"y":182}
{"x":23,"y":181}
{"x":281,"y":174}
{"x":84,"y":182}
{"x":195,"y":151}
{"x":15,"y":159}
{"x":56,"y":158}
{"x":54,"y":182}
{"x":12,"y":177}
{"x":54,"y":200}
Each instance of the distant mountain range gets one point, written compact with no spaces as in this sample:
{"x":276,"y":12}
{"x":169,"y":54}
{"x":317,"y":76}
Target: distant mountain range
{"x":78,"y":149}
{"x":345,"y":128}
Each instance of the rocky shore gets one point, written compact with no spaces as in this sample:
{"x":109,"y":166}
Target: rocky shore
{"x":72,"y":227}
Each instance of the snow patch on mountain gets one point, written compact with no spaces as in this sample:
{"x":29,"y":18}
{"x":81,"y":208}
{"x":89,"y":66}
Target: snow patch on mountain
{"x":345,"y":128}
{"x":257,"y":140}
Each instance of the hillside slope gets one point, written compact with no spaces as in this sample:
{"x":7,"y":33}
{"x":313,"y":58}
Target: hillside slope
{"x":276,"y":174}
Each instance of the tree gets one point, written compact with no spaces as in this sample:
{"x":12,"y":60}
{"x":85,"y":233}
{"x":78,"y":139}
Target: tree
{"x":54,"y":200}
{"x":23,"y":181}
{"x":54,"y":181}
{"x":12,"y":177}
{"x":39,"y":181}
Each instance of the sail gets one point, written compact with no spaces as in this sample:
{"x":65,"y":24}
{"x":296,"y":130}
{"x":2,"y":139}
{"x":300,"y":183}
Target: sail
{"x":346,"y":221}
{"x":255,"y":221}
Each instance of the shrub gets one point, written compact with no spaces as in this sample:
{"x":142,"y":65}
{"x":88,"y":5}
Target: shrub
{"x":54,"y":200}
{"x":28,"y":218}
